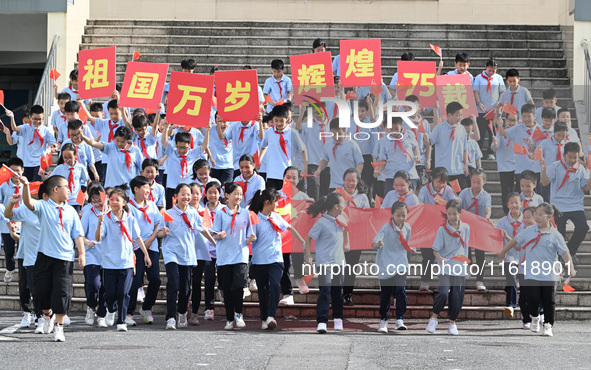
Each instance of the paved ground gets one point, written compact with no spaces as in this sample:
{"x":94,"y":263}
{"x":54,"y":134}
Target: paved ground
{"x":481,"y":344}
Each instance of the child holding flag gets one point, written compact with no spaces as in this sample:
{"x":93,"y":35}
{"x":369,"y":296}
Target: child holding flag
{"x":11,"y":173}
{"x":69,"y":168}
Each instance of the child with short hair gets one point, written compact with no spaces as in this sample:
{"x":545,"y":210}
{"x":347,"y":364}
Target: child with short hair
{"x":58,"y":116}
{"x":527,"y":184}
{"x":548,"y":119}
{"x":72,"y":89}
{"x":84,"y":152}
{"x":549,"y":100}
{"x":71,"y":110}
{"x":516,"y":95}
{"x":145,"y":137}
{"x":563,"y":115}
{"x":474,"y":152}
{"x":107,"y":127}
{"x":74,"y":171}
{"x":462,"y":63}
{"x":279,"y":86}
{"x":249,"y":180}
{"x":407,"y":56}
{"x":392,"y":260}
{"x":401,"y":192}
{"x":7,"y":189}
{"x":157,"y":193}
{"x":505,"y":156}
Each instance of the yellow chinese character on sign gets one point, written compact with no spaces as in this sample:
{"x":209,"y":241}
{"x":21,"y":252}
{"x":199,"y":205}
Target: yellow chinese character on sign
{"x":360,"y":64}
{"x":457,"y":93}
{"x":238,"y":92}
{"x":311,"y":77}
{"x":187,"y":90}
{"x":143,"y":85}
{"x":96,"y":73}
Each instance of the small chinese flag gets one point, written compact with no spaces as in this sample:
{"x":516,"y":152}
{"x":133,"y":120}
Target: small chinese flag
{"x":377,"y":164}
{"x":280,"y":102}
{"x":308,"y":278}
{"x":289,"y":190}
{"x":440,"y":201}
{"x":490,"y":127}
{"x":462,"y":259}
{"x":34,"y":187}
{"x":490,"y":114}
{"x":518,"y":149}
{"x":207,"y":223}
{"x":538,"y":154}
{"x":437,"y":50}
{"x":268,"y":99}
{"x":377,"y":203}
{"x":1,"y":97}
{"x":376,"y":89}
{"x":54,"y":75}
{"x":136,"y":56}
{"x":257,"y":161}
{"x":351,"y":95}
{"x":510,"y":109}
{"x":345,"y":195}
{"x":254,"y":219}
{"x":538,"y":134}
{"x":46,"y":161}
{"x":304,"y":175}
{"x":80,"y":197}
{"x":5,"y":174}
{"x":167,"y":217}
{"x":456,"y":185}
{"x":566,"y":287}
{"x":103,"y":197}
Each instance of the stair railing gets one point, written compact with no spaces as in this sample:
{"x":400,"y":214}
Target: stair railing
{"x":45,"y":96}
{"x":587,"y":82}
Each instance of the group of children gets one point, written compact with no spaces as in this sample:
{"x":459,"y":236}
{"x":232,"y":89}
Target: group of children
{"x":128,"y":187}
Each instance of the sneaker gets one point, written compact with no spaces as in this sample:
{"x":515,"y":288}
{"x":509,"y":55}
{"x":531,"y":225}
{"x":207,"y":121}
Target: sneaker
{"x":26,"y":321}
{"x":264,"y":325}
{"x":90,"y":314}
{"x":48,"y":324}
{"x":8,"y":276}
{"x":147,"y":316}
{"x":252,"y":286}
{"x":302,"y":286}
{"x":122,"y":327}
{"x":101,"y":322}
{"x":110,"y":318}
{"x":453,"y":329}
{"x":246,"y":293}
{"x":526,"y":326}
{"x":535,"y":324}
{"x":58,"y":333}
{"x":490,"y":157}
{"x":209,"y":315}
{"x":182,"y":320}
{"x":171,"y":324}
{"x":383,"y":326}
{"x":40,"y":324}
{"x":194,"y":320}
{"x":509,"y":312}
{"x":67,"y":320}
{"x":239,"y":320}
{"x":141,"y":295}
{"x":480,"y":286}
{"x":424,"y":287}
{"x":400,"y":325}
{"x":287,"y":300}
{"x":271,"y":323}
{"x":548,"y":330}
{"x":338,"y":324}
{"x":129,"y":321}
{"x":229,"y":325}
{"x":321,"y":329}
{"x":431,"y":326}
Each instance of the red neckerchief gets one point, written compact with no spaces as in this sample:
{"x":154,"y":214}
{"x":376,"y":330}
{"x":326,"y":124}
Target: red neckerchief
{"x":127,"y":158}
{"x":559,"y":145}
{"x":489,"y":79}
{"x":515,"y":224}
{"x":242,"y":128}
{"x":526,"y":201}
{"x":233,"y":218}
{"x":567,"y":174}
{"x":456,"y":234}
{"x":334,"y":148}
{"x":474,"y":202}
{"x":186,"y":219}
{"x":151,"y":195}
{"x":399,"y":143}
{"x":72,"y":88}
{"x":71,"y":183}
{"x":453,"y":132}
{"x":144,"y":210}
{"x":436,"y":194}
{"x":93,"y":211}
{"x":61,"y":211}
{"x":403,"y":199}
{"x":339,"y":223}
{"x":401,"y":238}
{"x":17,"y":190}
{"x":111,"y":127}
{"x":282,"y":142}
{"x":124,"y":231}
{"x":274,"y":224}
{"x":36,"y":134}
{"x":184,"y":165}
{"x":143,"y":146}
{"x":535,"y":241}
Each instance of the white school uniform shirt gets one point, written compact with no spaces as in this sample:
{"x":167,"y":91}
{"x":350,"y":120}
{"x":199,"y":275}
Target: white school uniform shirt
{"x":449,"y":246}
{"x":504,"y":154}
{"x":512,"y":227}
{"x":427,"y":194}
{"x":148,"y":141}
{"x":341,"y":157}
{"x":233,"y":248}
{"x":275,"y":158}
{"x":449,"y":153}
{"x":221,"y":150}
{"x":179,"y":245}
{"x":147,"y":218}
{"x":516,"y":98}
{"x":534,"y":201}
{"x":176,"y":173}
{"x":392,"y":197}
{"x":117,"y":170}
{"x":80,"y":175}
{"x":277,"y":89}
{"x":456,"y":72}
{"x":244,"y":139}
{"x":58,"y":117}
{"x":34,"y":148}
{"x":474,"y":152}
{"x":267,"y":248}
{"x":58,"y":236}
{"x":311,"y":137}
{"x":117,"y":249}
{"x":522,"y":162}
{"x":392,"y":258}
{"x":469,"y":201}
{"x":89,"y":221}
{"x":488,"y":97}
{"x":85,"y":154}
{"x":539,"y":113}
{"x":328,"y":237}
{"x":201,"y":247}
{"x":546,"y":250}
{"x":398,"y":154}
{"x":566,"y":192}
{"x":29,"y":237}
{"x":256,"y":182}
{"x":106,"y":127}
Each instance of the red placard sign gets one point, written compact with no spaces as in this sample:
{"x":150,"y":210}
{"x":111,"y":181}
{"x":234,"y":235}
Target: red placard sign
{"x":97,"y":72}
{"x":189,"y":99}
{"x":237,"y":95}
{"x":456,"y":88}
{"x":417,"y":78}
{"x":312,"y":76}
{"x":143,"y":84}
{"x":361,"y":62}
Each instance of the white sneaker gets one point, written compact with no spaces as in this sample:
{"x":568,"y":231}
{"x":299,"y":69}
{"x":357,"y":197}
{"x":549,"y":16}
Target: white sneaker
{"x":90,"y":314}
{"x":26,"y":321}
{"x":67,"y":320}
{"x":432,"y":326}
{"x":526,"y":326}
{"x":8,"y":276}
{"x":239,"y":320}
{"x":286,"y":301}
{"x":101,"y":323}
{"x":535,"y":324}
{"x":264,"y":325}
{"x":424,"y":287}
{"x":182,"y":323}
{"x":48,"y":324}
{"x":271,"y":323}
{"x":252,"y":286}
{"x":302,"y":286}
{"x":400,"y":325}
{"x":209,"y":315}
{"x":110,"y":318}
{"x":383,"y":326}
{"x":509,"y":311}
{"x":229,"y":325}
{"x":171,"y":324}
{"x":453,"y":329}
{"x":246,"y":293}
{"x":39,"y":328}
{"x":480,"y":286}
{"x":141,"y":295}
{"x":321,"y":329}
{"x":147,"y":316}
{"x":194,"y":320}
{"x":548,"y":330}
{"x":338,"y":324}
{"x":58,"y":333}
{"x":129,"y":321}
{"x":121,"y":327}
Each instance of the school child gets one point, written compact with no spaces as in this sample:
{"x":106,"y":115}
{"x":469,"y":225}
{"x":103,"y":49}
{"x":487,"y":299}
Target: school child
{"x":541,"y":245}
{"x":61,"y":230}
{"x":59,"y":115}
{"x":7,"y":189}
{"x":474,"y":153}
{"x":553,"y":150}
{"x":145,"y":136}
{"x":278,"y":87}
{"x":293,"y":176}
{"x":549,"y":100}
{"x":401,"y":192}
{"x":250,"y":181}
{"x":151,"y":223}
{"x":72,"y":89}
{"x":563,"y":115}
{"x":245,"y":136}
{"x":408,"y":56}
{"x":516,"y":95}
{"x":231,"y":227}
{"x":449,"y":139}
{"x":452,"y":240}
{"x":107,"y":127}
{"x":364,"y":137}
{"x":38,"y":139}
{"x":84,"y":152}
{"x":96,"y":111}
{"x":392,"y":260}
{"x":503,"y":148}
{"x":548,"y":119}
{"x":569,"y":181}
{"x":69,"y":168}
{"x":267,"y":259}
{"x":462,"y":63}
{"x":201,"y":174}
{"x":331,"y":242}
{"x":157,"y":193}
{"x":476,"y":200}
{"x":436,"y":192}
{"x":71,"y":110}
{"x":421,"y":134}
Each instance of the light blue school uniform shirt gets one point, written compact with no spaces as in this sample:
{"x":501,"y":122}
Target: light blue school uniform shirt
{"x":267,"y":248}
{"x":244,"y":140}
{"x":63,"y":134}
{"x":363,"y":136}
{"x":3,"y":220}
{"x":85,"y":153}
{"x":34,"y":150}
{"x":157,"y":194}
{"x":97,"y":136}
{"x":106,"y":110}
{"x":363,"y":91}
{"x":359,"y":200}
{"x":147,"y":221}
{"x":176,"y":173}
{"x":491,"y":97}
{"x":512,"y":227}
{"x":552,"y":150}
{"x":456,"y":72}
{"x":421,"y":136}
{"x":117,"y":249}
{"x":392,"y":258}
{"x":522,"y":162}
{"x":73,"y":94}
{"x":106,"y":126}
{"x":520,"y":97}
{"x":550,"y":245}
{"x":392,"y":197}
{"x":569,"y":197}
{"x":394,"y":81}
{"x":196,"y":137}
{"x":312,"y":139}
{"x":468,"y":201}
{"x":179,"y":245}
{"x":336,"y":65}
{"x":30,"y":232}
{"x":233,"y":248}
{"x":149,"y":142}
{"x":117,"y":170}
{"x":427,"y":194}
{"x":328,"y":240}
{"x":539,"y":113}
{"x":213,"y":212}
{"x":80,"y":178}
{"x":398,"y":158}
{"x":17,"y":140}
{"x":57,"y":242}
{"x":89,"y":222}
{"x":505,"y":155}
{"x":256,"y":182}
{"x":221,"y":150}
{"x":534,"y":201}
{"x":272,"y":87}
{"x":7,"y":189}
{"x":275,"y":158}
{"x":201,"y":247}
{"x":449,"y":154}
{"x":58,"y":117}
{"x":449,"y":246}
{"x":474,"y":153}
{"x":341,"y":157}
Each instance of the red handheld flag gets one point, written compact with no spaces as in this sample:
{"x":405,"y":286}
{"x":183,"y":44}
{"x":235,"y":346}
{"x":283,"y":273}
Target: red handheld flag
{"x":254,"y":219}
{"x":462,"y":259}
{"x":538,"y":134}
{"x":377,"y":203}
{"x":566,"y":287}
{"x":54,"y":75}
{"x":167,"y":217}
{"x":437,"y":50}
{"x":34,"y":187}
{"x":538,"y":154}
{"x":308,"y":278}
{"x":207,"y":223}
{"x":136,"y":56}
{"x":456,"y":185}
{"x":345,"y":195}
{"x":46,"y":161}
{"x":510,"y":109}
{"x":80,"y":197}
{"x":2,"y":97}
{"x":103,"y":197}
{"x":422,"y":129}
{"x":490,"y":114}
{"x":518,"y":149}
{"x":280,"y":102}
{"x":268,"y":99}
{"x":257,"y":161}
{"x":351,"y":95}
{"x":375,"y":89}
{"x":377,"y":164}
{"x":5,"y":174}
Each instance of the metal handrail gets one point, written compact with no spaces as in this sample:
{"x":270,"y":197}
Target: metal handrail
{"x":45,"y":93}
{"x":587,"y":83}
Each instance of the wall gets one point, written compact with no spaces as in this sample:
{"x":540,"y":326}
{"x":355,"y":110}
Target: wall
{"x":581,"y":31}
{"x":27,"y":34}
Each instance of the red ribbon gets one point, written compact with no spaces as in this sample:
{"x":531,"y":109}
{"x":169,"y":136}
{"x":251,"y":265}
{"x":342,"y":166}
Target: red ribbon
{"x":403,"y":241}
{"x":127,"y":158}
{"x":566,"y":175}
{"x":282,"y":142}
{"x":456,"y":234}
{"x":38,"y":135}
